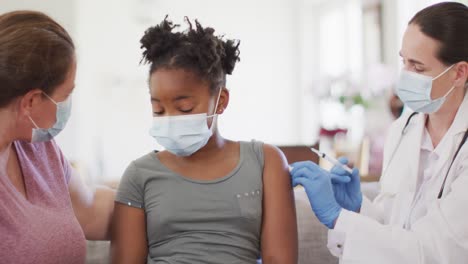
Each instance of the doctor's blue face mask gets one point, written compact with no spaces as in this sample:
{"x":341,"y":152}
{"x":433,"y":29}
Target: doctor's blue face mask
{"x":63,"y":113}
{"x":183,"y":135}
{"x":415,"y":91}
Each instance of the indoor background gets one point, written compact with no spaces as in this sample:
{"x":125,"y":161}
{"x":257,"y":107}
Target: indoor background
{"x":309,"y":70}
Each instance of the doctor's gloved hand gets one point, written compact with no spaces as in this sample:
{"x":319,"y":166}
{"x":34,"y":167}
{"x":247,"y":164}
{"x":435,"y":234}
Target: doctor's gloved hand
{"x":317,"y":184}
{"x":347,"y":187}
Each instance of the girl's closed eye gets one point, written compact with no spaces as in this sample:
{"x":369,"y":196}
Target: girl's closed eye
{"x":157,"y":110}
{"x":186,"y":110}
{"x":185,"y":105}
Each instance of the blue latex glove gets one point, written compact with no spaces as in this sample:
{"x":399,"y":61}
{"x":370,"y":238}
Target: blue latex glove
{"x":347,"y":187}
{"x":318,"y":186}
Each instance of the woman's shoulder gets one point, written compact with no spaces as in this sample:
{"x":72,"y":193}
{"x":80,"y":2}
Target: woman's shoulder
{"x":39,"y":150}
{"x":48,"y":154}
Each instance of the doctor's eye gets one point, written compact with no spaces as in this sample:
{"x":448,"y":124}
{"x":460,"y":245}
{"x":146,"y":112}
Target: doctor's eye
{"x":418,"y":70}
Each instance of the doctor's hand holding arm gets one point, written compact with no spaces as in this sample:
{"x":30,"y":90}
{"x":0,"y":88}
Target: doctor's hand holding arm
{"x":328,"y":192}
{"x":419,"y":215}
{"x":317,"y":184}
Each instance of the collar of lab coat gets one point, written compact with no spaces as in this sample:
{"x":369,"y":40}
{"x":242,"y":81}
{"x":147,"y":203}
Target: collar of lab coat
{"x":459,"y":126}
{"x":414,"y":136}
{"x":401,"y":170}
{"x":460,"y":123}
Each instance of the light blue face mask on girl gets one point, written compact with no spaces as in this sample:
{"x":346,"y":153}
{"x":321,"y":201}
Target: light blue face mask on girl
{"x":415,"y":91}
{"x":63,"y":113}
{"x":183,"y":135}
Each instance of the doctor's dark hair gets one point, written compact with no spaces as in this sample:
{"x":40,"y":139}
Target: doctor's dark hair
{"x":35,"y":53}
{"x":447,"y":23}
{"x":197,"y":50}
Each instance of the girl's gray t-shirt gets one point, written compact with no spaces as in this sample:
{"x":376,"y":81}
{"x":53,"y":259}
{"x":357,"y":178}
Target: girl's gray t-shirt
{"x":190,"y":221}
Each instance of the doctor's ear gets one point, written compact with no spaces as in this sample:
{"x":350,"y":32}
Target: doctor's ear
{"x":29,"y":101}
{"x":223,"y":101}
{"x":462,"y":73}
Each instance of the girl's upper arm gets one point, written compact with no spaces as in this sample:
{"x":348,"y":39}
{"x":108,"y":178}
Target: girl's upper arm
{"x":129,"y":243}
{"x":129,"y":240}
{"x":279,"y":226}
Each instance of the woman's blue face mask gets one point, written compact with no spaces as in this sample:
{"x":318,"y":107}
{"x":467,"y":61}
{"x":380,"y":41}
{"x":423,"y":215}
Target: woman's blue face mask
{"x":415,"y":91}
{"x":63,"y":113}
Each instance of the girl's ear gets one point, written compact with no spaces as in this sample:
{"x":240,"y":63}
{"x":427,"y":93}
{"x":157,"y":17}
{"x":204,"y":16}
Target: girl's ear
{"x":223,"y":101}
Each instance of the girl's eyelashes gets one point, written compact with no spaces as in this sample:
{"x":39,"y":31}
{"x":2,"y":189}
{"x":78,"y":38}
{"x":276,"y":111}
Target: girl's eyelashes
{"x":158,"y":110}
{"x":186,"y":111}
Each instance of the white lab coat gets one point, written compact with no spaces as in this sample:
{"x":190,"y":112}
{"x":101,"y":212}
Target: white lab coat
{"x":376,"y":235}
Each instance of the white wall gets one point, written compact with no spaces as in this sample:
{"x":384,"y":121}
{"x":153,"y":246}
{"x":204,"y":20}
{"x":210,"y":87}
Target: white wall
{"x":113,"y":101}
{"x":397,"y":14}
{"x":111,"y":114}
{"x":62,"y":11}
{"x":272,"y":96}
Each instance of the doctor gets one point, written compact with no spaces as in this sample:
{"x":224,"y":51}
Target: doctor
{"x":421,"y":213}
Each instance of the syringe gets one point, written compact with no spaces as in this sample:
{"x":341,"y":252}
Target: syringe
{"x":332,"y":160}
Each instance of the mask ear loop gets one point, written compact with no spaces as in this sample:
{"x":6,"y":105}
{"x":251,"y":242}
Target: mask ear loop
{"x":444,"y":72}
{"x":451,"y":89}
{"x":32,"y":121}
{"x":216,"y":105}
{"x":215,"y":108}
{"x":53,"y":101}
{"x":50,"y":98}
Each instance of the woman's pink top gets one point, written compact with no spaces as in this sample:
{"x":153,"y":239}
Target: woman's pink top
{"x":41,"y":228}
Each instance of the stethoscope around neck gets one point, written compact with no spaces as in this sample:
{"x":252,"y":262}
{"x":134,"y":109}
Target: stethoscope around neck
{"x":403,"y":132}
